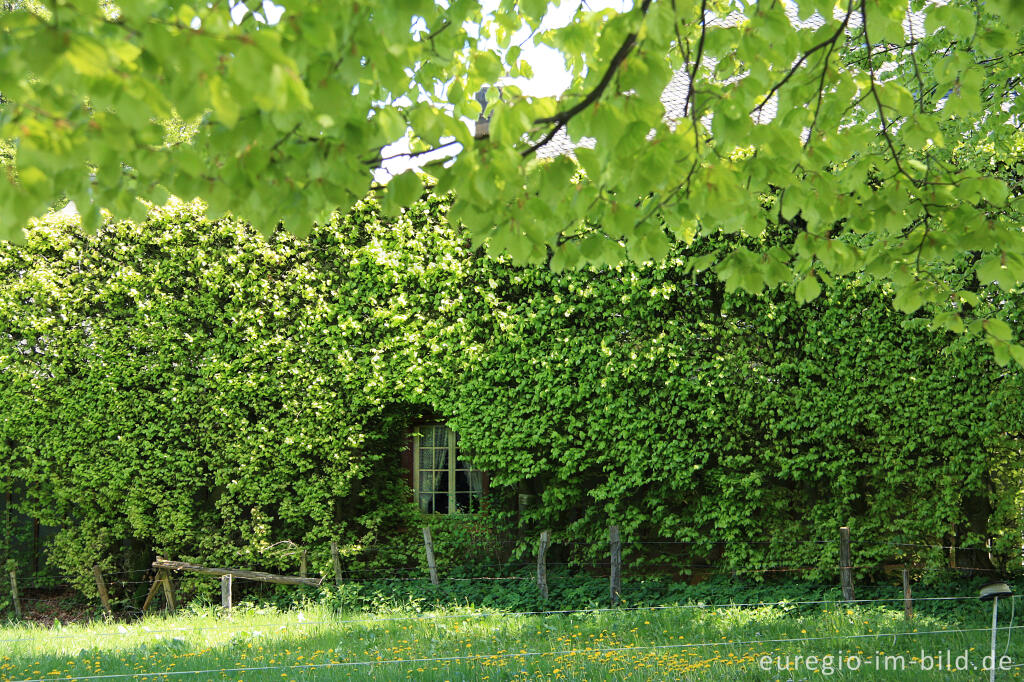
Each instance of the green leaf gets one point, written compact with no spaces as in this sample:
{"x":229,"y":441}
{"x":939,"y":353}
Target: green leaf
{"x":702,"y":263}
{"x":1017,"y":352}
{"x":391,"y":123}
{"x":224,"y":103}
{"x":957,"y":20}
{"x":998,"y":329}
{"x":968,"y":297}
{"x":88,"y":57}
{"x":808,"y":289}
{"x":909,"y":298}
{"x":951,"y":321}
{"x":990,"y":269}
{"x":1001,"y":352}
{"x":488,"y":66}
{"x":403,"y":190}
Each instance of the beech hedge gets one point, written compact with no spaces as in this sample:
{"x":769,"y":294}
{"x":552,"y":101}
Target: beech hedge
{"x":187,"y":387}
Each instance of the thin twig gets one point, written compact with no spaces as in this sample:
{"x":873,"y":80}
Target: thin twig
{"x":409,"y":155}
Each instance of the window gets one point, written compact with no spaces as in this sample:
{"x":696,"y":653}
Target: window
{"x":445,"y":483}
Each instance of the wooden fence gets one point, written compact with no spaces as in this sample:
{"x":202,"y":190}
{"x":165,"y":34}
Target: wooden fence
{"x":164,"y":571}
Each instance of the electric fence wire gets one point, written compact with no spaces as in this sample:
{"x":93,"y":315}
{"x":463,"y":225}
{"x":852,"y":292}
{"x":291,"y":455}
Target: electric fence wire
{"x":705,"y":569}
{"x":47,"y":576}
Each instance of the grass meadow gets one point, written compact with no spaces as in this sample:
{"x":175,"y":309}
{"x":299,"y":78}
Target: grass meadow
{"x":672,"y":642}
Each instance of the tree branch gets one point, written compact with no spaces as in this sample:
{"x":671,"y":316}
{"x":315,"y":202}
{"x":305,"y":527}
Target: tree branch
{"x":688,"y":104}
{"x":828,"y":42}
{"x":563,"y":117}
{"x":878,"y":100}
{"x":408,"y":155}
{"x":283,"y":138}
{"x":824,"y":72}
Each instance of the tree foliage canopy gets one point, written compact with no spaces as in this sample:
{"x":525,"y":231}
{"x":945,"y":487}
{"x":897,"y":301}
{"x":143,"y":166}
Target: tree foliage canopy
{"x":889,"y":139}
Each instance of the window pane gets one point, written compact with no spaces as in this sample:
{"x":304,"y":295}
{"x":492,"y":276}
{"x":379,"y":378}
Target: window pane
{"x":476,"y":481}
{"x":440,"y":436}
{"x":427,"y":481}
{"x":441,"y":504}
{"x":462,"y":481}
{"x":467,"y":502}
{"x":440,"y":459}
{"x":426,"y":458}
{"x":426,"y":503}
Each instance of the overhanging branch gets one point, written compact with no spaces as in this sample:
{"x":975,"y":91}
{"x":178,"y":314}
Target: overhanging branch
{"x":563,"y":117}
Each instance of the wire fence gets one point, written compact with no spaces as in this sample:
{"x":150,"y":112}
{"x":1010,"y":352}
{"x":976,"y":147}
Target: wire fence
{"x":526,"y":544}
{"x":227,"y":627}
{"x":124,"y":579}
{"x":523,"y":655}
{"x":126,"y":586}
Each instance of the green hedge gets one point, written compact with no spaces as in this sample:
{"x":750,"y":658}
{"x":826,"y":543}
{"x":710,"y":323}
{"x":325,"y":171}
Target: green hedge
{"x":190,"y":388}
{"x":650,"y":398}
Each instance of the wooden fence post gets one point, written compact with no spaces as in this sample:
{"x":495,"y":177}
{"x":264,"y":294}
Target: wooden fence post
{"x":908,"y":602}
{"x":101,"y":587}
{"x":431,"y":564}
{"x":542,"y":569}
{"x":14,"y":594}
{"x":303,"y":564}
{"x":336,"y":560}
{"x":616,"y":572}
{"x":168,"y":590}
{"x":845,"y":567}
{"x":952,"y":546}
{"x":225,"y":593}
{"x":152,"y":593}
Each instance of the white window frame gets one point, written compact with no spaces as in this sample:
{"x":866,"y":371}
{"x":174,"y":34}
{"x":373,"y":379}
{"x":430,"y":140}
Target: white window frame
{"x":453,"y":451}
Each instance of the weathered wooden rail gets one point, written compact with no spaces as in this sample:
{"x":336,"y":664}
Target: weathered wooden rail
{"x":164,"y":567}
{"x":258,"y":576}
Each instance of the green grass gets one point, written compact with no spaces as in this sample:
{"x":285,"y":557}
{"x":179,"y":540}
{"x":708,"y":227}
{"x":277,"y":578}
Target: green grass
{"x":644,"y":644}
